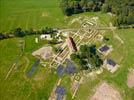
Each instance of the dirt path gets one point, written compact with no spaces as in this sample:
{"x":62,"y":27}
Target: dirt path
{"x":12,"y":67}
{"x":115,"y":35}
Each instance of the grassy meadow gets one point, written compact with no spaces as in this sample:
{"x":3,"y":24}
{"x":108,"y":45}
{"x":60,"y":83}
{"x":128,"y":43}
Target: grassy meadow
{"x":18,"y":86}
{"x":36,"y":14}
{"x":30,"y":14}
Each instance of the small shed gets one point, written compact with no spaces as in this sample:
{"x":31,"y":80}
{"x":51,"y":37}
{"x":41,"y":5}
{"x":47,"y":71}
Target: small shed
{"x":70,"y":67}
{"x":71,"y":44}
{"x":60,"y":70}
{"x":111,"y":65}
{"x":60,"y":91}
{"x":46,"y":36}
{"x":105,"y":49}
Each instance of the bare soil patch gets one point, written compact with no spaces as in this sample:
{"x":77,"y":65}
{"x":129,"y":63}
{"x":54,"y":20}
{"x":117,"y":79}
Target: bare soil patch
{"x":44,"y":52}
{"x":106,"y":92}
{"x":130,"y":79}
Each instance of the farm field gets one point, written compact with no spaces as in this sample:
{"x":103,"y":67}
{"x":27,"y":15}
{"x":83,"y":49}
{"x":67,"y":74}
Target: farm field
{"x":30,"y":14}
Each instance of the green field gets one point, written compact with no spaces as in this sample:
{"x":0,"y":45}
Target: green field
{"x":18,"y":86}
{"x":30,"y":14}
{"x":35,"y":14}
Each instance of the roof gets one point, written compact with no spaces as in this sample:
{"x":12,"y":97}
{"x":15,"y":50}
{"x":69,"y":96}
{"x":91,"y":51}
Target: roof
{"x":70,"y":67}
{"x":59,"y":97}
{"x":71,"y":44}
{"x":111,"y":62}
{"x":46,"y":36}
{"x":34,"y":68}
{"x":60,"y":90}
{"x":104,"y":48}
{"x":60,"y":70}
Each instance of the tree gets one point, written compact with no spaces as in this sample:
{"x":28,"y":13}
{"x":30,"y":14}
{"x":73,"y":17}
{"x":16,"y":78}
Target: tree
{"x":106,"y":39}
{"x":31,"y":31}
{"x":92,"y":49}
{"x":130,"y":20}
{"x":18,"y":32}
{"x":123,"y":10}
{"x":83,"y":48}
{"x":70,"y":7}
{"x":105,"y":8}
{"x":57,"y":49}
{"x":87,"y":56}
{"x":2,"y":36}
{"x":83,"y":64}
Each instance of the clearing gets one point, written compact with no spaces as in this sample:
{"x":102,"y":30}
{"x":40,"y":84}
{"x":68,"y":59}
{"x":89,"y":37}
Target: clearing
{"x":130,"y":79}
{"x":44,"y":52}
{"x":106,"y":92}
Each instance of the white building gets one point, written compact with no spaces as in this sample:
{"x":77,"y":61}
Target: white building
{"x":46,"y":36}
{"x":65,"y":34}
{"x":36,"y":40}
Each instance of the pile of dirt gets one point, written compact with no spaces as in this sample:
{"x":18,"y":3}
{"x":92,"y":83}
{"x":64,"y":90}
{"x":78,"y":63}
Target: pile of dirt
{"x":106,"y":92}
{"x":130,"y":79}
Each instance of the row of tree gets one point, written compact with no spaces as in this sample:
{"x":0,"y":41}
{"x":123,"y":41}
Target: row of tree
{"x":87,"y":57}
{"x":123,"y":10}
{"x":18,"y":32}
{"x":70,"y":7}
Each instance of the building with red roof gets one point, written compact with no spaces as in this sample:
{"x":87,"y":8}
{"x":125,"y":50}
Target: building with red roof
{"x":71,"y":44}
